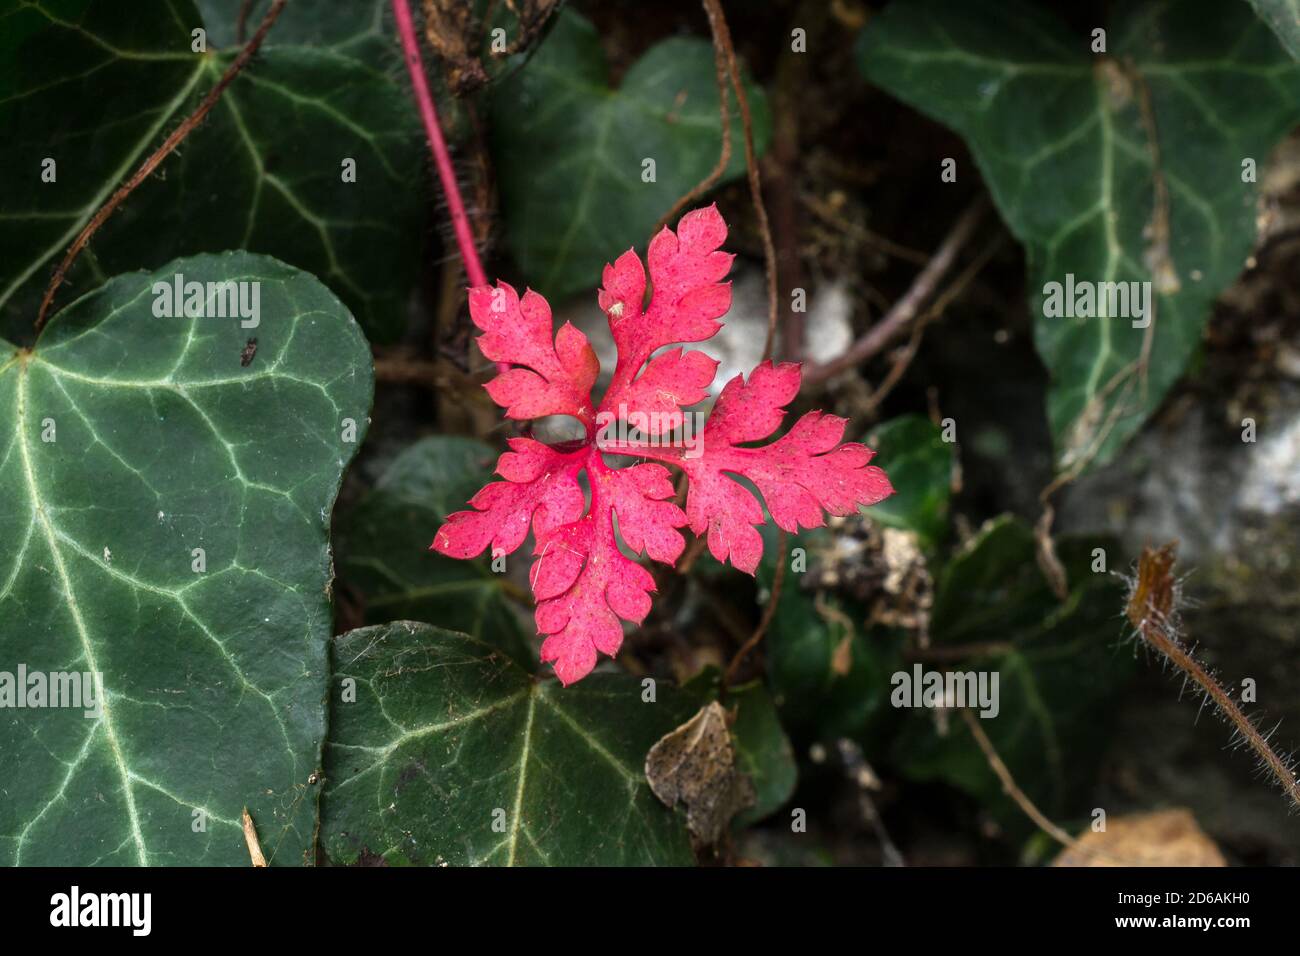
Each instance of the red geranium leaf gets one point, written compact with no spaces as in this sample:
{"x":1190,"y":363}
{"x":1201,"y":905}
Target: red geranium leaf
{"x":584,"y":583}
{"x":686,"y":270}
{"x":647,"y":518}
{"x":653,"y":403}
{"x":729,"y":515}
{"x":801,"y":475}
{"x":541,"y":487}
{"x":555,"y":377}
{"x":752,"y":410}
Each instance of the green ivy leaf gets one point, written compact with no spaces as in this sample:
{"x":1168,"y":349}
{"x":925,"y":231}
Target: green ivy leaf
{"x":1059,"y":666}
{"x":829,"y":676}
{"x":1283,"y":18}
{"x":911,"y":448}
{"x":58,"y":79}
{"x":383,"y":547}
{"x":453,"y":754}
{"x":97,"y":90}
{"x":992,"y":585}
{"x":763,"y":751}
{"x":1062,"y":141}
{"x":361,"y":29}
{"x":569,"y":150}
{"x":127,"y":442}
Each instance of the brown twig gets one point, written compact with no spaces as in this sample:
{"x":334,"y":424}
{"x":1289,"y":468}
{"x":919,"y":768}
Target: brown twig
{"x":405,"y":370}
{"x":1009,"y":783}
{"x":150,"y":164}
{"x":1152,"y":613}
{"x":241,"y":20}
{"x":906,"y":308}
{"x":931,"y":314}
{"x":864,"y":779}
{"x":783,"y":165}
{"x":777,"y":579}
{"x":722,"y":35}
{"x":531,"y":21}
{"x":1045,"y":546}
{"x":255,"y":854}
{"x":693,"y":552}
{"x":825,"y":211}
{"x":450,"y":29}
{"x":716,"y":25}
{"x":482,"y":196}
{"x":1049,"y":562}
{"x":1026,"y":805}
{"x":790,"y":271}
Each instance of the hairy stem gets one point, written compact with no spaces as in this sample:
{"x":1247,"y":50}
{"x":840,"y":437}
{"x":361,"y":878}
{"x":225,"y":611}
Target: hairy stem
{"x":441,"y":156}
{"x":1151,"y":612}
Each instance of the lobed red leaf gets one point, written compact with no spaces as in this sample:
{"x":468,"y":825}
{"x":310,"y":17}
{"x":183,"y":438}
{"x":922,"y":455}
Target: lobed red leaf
{"x":585,"y":585}
{"x":553,"y":377}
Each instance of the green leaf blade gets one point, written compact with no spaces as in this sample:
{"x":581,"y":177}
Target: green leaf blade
{"x":165,"y":442}
{"x":1059,"y":666}
{"x":569,"y":149}
{"x":1283,"y":18}
{"x":471,"y":760}
{"x":919,"y":462}
{"x":1074,"y":151}
{"x":63,"y":62}
{"x":828,"y":674}
{"x":263,"y":172}
{"x":384,"y":555}
{"x":763,"y":752}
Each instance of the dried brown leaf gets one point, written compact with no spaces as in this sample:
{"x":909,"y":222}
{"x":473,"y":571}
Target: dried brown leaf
{"x":696,"y":765}
{"x":1163,"y":838}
